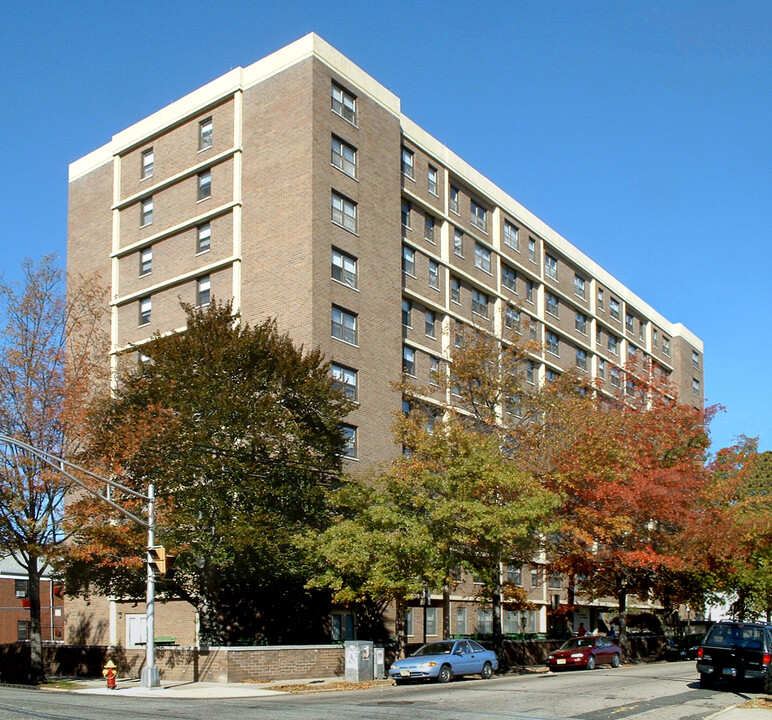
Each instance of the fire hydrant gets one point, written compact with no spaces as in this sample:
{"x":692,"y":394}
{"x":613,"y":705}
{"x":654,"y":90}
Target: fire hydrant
{"x":109,"y":672}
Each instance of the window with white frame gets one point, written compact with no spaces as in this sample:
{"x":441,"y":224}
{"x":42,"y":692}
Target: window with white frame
{"x":145,"y":308}
{"x":405,"y":215}
{"x":344,"y":325}
{"x":430,"y":323}
{"x":432,"y":180}
{"x":551,"y":267}
{"x":455,"y":290}
{"x":551,"y":375}
{"x":512,"y":318}
{"x":581,"y":359}
{"x":508,"y":278}
{"x":344,"y":212}
{"x":343,"y":103}
{"x":406,"y":309}
{"x":434,"y":369}
{"x":21,"y":588}
{"x":484,"y":621}
{"x":695,"y":387}
{"x":408,"y":261}
{"x":349,"y":433}
{"x":666,"y":346}
{"x":482,"y":258}
{"x":429,"y":229}
{"x":434,"y":275}
{"x":145,"y":261}
{"x":553,"y":343}
{"x":478,"y":216}
{"x":460,"y":621}
{"x":431,"y":621}
{"x":204,"y":185}
{"x":408,"y":360}
{"x":344,"y":268}
{"x":203,"y":238}
{"x":510,"y":236}
{"x":148,"y":163}
{"x":536,"y":578}
{"x":533,"y":329}
{"x":344,"y":379}
{"x":554,"y":581}
{"x":511,"y":620}
{"x":408,"y":163}
{"x":695,"y":359}
{"x":551,"y":304}
{"x":629,"y":322}
{"x":205,"y":128}
{"x":458,"y":242}
{"x":532,"y":250}
{"x":480,"y":303}
{"x":580,"y":322}
{"x":616,"y":377}
{"x":529,"y":290}
{"x":654,"y":337}
{"x":530,"y":372}
{"x":613,"y":342}
{"x":454,"y":199}
{"x":409,"y":622}
{"x":580,"y":286}
{"x":600,"y":299}
{"x":146,"y":212}
{"x":343,"y":156}
{"x":515,"y":575}
{"x":203,"y":291}
{"x":613,"y":306}
{"x":601,"y":368}
{"x":23,"y":630}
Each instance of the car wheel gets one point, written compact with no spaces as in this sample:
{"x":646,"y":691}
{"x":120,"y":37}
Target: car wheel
{"x":591,"y":662}
{"x":445,"y":674}
{"x":706,"y":681}
{"x":768,"y":684}
{"x":487,"y":671}
{"x":615,"y":661}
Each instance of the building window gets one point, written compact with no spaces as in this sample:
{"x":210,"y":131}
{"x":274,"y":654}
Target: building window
{"x":343,"y":103}
{"x":580,"y":322}
{"x":409,"y":625}
{"x":345,"y":380}
{"x":406,"y":308}
{"x":204,"y":185}
{"x":145,"y":261}
{"x":432,"y":180}
{"x":551,"y":375}
{"x":554,"y":582}
{"x":406,"y":215}
{"x":551,"y":267}
{"x":553,"y":343}
{"x":479,"y":216}
{"x":434,"y":275}
{"x":532,"y":250}
{"x":612,"y":344}
{"x":21,"y":587}
{"x":629,"y":323}
{"x":204,"y":238}
{"x":458,"y":242}
{"x":434,"y":369}
{"x":552,"y":304}
{"x":408,"y":167}
{"x":349,"y":433}
{"x":600,"y":299}
{"x":23,"y":630}
{"x":454,"y":197}
{"x":482,"y":258}
{"x":480,"y":303}
{"x":654,"y":337}
{"x":455,"y":290}
{"x":530,"y":373}
{"x":429,"y":229}
{"x":512,"y":318}
{"x":515,"y":575}
{"x":616,"y":377}
{"x":536,"y":579}
{"x":484,"y":621}
{"x":408,"y":360}
{"x":430,"y":323}
{"x":601,"y":368}
{"x":510,"y":236}
{"x":148,"y":161}
{"x":508,"y":278}
{"x":431,"y":621}
{"x":344,"y":325}
{"x":145,"y":306}
{"x":695,"y":359}
{"x":613,"y":306}
{"x":408,"y":261}
{"x":344,"y":157}
{"x":205,"y":134}
{"x":344,"y":268}
{"x":529,"y":290}
{"x":581,"y":359}
{"x":666,"y":345}
{"x":204,"y":291}
{"x":632,"y":352}
{"x":344,"y":212}
{"x":146,"y":212}
{"x":695,"y":387}
{"x":533,"y":329}
{"x":461,"y":621}
{"x":579,"y":286}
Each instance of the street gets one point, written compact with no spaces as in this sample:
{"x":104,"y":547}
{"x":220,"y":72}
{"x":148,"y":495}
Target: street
{"x":667,"y":691}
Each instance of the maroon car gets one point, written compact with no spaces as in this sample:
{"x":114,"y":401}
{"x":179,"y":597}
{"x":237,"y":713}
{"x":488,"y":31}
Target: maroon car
{"x":585,"y":652}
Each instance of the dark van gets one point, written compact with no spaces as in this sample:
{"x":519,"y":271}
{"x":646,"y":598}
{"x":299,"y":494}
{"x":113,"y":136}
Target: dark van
{"x":736,"y":651}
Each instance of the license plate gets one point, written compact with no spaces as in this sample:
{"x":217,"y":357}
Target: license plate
{"x":729,"y":671}
{"x":561,"y":661}
{"x":404,"y":673}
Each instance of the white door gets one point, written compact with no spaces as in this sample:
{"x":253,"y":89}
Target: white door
{"x":136,"y":630}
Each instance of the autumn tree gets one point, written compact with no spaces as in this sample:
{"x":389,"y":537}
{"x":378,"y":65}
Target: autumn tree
{"x":239,"y":430}
{"x":51,"y":353}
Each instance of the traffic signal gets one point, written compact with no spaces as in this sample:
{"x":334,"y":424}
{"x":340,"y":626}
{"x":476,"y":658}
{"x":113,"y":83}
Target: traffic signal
{"x":157,"y":559}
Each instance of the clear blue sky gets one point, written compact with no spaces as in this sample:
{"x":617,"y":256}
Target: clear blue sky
{"x":641,"y":131}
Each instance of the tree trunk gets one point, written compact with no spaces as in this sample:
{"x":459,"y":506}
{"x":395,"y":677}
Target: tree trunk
{"x":498,"y":640}
{"x":401,"y":608}
{"x":624,"y":643}
{"x":37,"y":668}
{"x":445,"y":611}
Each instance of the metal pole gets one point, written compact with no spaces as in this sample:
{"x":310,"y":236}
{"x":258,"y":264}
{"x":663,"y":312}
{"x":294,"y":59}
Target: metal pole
{"x":150,"y":675}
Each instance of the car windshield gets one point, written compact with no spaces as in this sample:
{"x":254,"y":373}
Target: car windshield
{"x":438,"y":648}
{"x":577,"y":642}
{"x":735,"y":636}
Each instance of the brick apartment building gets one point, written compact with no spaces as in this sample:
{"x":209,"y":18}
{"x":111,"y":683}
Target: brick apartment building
{"x":296,"y":187}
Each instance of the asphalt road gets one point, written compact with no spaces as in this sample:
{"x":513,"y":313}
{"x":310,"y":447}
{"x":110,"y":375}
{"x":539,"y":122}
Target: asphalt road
{"x":665,"y":691}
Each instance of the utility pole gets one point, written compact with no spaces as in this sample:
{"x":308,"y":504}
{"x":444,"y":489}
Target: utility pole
{"x":150,"y":674}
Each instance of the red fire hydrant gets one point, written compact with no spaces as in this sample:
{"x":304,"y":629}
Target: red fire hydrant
{"x":109,"y":672}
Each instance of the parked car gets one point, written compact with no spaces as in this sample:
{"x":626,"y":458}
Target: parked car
{"x":445,"y":659}
{"x":736,"y":651}
{"x":585,"y":652}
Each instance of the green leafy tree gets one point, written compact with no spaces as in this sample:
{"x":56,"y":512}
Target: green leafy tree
{"x":239,"y":430}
